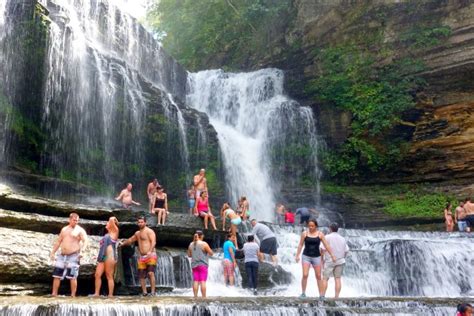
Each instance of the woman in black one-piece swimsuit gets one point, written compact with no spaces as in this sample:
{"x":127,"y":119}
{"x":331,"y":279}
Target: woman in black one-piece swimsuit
{"x":160,"y":206}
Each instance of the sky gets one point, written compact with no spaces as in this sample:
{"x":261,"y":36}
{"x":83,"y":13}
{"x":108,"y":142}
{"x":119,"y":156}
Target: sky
{"x":136,"y":8}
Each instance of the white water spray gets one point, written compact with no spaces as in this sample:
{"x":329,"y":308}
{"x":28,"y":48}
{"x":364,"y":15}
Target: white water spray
{"x":256,"y":126}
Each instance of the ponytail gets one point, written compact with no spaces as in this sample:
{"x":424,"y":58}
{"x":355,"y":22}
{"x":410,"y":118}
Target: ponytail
{"x":196,"y":238}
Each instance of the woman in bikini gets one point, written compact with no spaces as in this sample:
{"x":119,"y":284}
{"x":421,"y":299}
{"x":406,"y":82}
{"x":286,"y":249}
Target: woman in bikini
{"x":228,"y":213}
{"x":448,"y":217}
{"x":107,"y":258}
{"x":203,"y":209}
{"x":311,"y":239}
{"x":160,"y":205}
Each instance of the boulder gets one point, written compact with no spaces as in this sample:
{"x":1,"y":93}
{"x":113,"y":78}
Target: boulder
{"x":269,"y":276}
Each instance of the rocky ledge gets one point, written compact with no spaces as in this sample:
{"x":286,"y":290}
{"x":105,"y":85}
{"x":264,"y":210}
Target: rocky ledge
{"x":27,"y":236}
{"x":183,"y":306}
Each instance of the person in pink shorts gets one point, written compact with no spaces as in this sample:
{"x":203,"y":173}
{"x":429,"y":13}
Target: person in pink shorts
{"x":199,"y":251}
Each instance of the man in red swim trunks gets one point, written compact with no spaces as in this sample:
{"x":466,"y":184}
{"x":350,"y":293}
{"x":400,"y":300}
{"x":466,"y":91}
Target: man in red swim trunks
{"x":146,"y":239}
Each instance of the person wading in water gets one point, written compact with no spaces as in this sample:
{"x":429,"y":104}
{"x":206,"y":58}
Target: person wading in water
{"x":199,"y":251}
{"x":311,"y":240}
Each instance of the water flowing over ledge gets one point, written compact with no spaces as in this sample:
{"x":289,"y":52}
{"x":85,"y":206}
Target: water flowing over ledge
{"x":261,"y":306}
{"x":267,"y":140}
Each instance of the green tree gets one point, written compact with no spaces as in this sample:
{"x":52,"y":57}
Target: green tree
{"x":195,"y":31}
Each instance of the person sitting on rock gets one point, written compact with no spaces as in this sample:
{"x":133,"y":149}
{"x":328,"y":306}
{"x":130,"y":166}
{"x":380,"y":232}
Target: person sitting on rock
{"x":125,"y":197}
{"x":203,"y":209}
{"x":160,"y":205}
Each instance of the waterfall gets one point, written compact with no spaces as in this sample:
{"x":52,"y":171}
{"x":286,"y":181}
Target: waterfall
{"x":95,"y":106}
{"x":99,"y":96}
{"x":392,"y":263}
{"x":164,"y":271}
{"x":171,"y":110}
{"x":267,"y":140}
{"x":280,"y":307}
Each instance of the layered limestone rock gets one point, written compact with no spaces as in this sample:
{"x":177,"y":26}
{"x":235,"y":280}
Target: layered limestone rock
{"x":441,"y":132}
{"x":24,"y":256}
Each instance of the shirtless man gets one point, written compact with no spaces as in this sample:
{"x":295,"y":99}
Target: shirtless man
{"x":146,"y":239}
{"x":460,"y":217}
{"x":72,"y":239}
{"x":150,"y":192}
{"x":469,"y":208}
{"x":200,"y":182}
{"x":125,"y":197}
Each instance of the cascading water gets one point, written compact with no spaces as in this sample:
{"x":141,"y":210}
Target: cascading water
{"x":282,"y":307}
{"x":392,"y":263}
{"x":267,"y":140}
{"x":95,"y":104}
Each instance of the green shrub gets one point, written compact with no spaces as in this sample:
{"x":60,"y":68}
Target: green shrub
{"x":418,"y":204}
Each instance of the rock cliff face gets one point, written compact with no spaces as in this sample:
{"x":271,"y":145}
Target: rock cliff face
{"x":440,"y":130}
{"x":441,"y":138}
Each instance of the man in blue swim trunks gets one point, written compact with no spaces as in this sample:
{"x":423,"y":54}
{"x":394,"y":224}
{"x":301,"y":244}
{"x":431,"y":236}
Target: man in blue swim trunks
{"x":71,"y":241}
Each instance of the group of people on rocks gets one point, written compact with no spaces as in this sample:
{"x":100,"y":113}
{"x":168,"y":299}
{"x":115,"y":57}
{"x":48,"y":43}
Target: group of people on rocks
{"x":73,"y":240}
{"x":253,"y":253}
{"x":463,"y":216}
{"x":285,"y":216}
{"x":318,"y":251}
{"x":260,"y":242}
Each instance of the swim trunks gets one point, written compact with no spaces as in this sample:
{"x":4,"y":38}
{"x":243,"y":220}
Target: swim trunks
{"x":146,"y":264}
{"x":66,"y":266}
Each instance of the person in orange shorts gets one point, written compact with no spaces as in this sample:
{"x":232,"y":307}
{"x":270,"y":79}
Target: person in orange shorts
{"x":146,"y":239}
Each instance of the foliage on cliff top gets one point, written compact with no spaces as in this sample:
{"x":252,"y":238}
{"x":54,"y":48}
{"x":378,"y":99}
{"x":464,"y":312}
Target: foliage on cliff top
{"x":376,"y":95}
{"x":397,"y":200}
{"x":196,"y":31}
{"x":367,"y":77}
